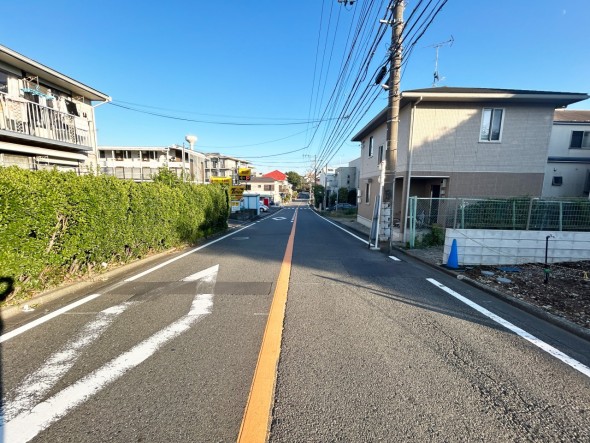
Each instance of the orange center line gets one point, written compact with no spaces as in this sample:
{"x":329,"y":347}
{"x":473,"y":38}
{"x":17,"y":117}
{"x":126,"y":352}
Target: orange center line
{"x":257,"y":416}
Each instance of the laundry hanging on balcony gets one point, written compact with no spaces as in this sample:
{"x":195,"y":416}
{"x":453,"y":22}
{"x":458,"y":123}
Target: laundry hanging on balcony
{"x":37,"y":92}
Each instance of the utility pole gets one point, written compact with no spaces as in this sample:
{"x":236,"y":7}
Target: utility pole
{"x":393,"y":106}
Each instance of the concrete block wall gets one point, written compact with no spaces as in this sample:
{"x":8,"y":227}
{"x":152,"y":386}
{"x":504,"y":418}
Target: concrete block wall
{"x":498,"y":247}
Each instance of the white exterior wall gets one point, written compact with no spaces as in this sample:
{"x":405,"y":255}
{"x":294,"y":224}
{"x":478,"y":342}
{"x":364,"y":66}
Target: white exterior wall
{"x":503,"y":247}
{"x":446,"y":139}
{"x":573,"y":174}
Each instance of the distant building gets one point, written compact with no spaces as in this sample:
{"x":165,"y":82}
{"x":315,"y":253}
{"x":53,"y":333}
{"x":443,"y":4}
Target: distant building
{"x":47,"y":119}
{"x":220,"y":165}
{"x":567,"y":173}
{"x":141,"y":163}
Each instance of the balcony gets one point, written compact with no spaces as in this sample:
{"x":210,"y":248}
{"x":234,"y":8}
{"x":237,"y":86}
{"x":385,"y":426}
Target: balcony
{"x":25,"y":119}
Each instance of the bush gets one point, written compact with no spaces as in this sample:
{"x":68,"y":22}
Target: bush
{"x":436,"y":237}
{"x":55,"y":225}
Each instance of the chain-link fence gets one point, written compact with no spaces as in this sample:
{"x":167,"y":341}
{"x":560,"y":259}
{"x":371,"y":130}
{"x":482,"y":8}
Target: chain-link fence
{"x":534,"y":214}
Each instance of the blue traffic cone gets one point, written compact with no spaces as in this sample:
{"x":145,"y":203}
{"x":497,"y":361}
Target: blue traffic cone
{"x":453,"y":260}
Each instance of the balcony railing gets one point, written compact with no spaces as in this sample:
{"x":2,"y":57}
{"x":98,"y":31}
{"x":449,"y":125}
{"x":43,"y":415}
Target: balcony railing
{"x":25,"y":117}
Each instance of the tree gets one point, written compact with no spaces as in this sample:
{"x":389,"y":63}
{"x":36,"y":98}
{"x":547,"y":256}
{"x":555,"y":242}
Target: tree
{"x":342,"y":195}
{"x":318,"y":195}
{"x":295,"y":180}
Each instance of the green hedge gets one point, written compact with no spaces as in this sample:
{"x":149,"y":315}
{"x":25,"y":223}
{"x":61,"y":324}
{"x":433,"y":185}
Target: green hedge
{"x":56,"y":225}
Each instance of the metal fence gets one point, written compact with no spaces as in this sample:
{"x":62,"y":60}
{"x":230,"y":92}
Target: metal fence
{"x":29,"y":118}
{"x":532,"y":214}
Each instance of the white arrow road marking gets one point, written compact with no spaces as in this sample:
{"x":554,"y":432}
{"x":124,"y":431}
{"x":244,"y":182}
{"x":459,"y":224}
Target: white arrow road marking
{"x":205,"y":275}
{"x":36,"y":385}
{"x":27,"y":425}
{"x":522,"y":333}
{"x":279,"y":218}
{"x":394,"y":258}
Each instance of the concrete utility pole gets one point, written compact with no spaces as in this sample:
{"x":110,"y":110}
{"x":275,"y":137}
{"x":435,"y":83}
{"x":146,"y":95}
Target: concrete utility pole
{"x":393,"y":106}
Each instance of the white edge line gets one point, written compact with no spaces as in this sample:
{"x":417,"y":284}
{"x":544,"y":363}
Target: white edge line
{"x":345,"y":230}
{"x":172,"y":260}
{"x":394,"y":258}
{"x":45,"y":318}
{"x":520,"y":332}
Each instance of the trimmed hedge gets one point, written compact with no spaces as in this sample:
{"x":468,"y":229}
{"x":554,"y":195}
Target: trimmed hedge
{"x":57,"y":225}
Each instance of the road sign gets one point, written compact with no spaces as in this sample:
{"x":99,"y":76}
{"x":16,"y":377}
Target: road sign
{"x":221,"y":180}
{"x":244,"y":174}
{"x":236,"y":192}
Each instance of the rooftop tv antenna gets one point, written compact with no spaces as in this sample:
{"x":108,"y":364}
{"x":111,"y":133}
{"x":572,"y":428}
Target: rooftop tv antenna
{"x":438,"y":46}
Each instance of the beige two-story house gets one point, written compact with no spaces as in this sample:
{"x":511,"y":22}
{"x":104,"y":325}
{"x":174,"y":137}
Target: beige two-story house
{"x":47,"y":119}
{"x":460,"y":142}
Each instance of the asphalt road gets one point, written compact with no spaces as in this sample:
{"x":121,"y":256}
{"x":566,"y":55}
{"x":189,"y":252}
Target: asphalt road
{"x":373,"y":349}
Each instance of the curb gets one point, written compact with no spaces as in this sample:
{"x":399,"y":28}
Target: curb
{"x":7,"y":312}
{"x":53,"y":294}
{"x":561,"y":322}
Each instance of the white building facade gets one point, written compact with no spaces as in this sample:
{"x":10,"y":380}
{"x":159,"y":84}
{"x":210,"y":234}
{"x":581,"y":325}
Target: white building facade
{"x":567,"y":172}
{"x":141,"y":163}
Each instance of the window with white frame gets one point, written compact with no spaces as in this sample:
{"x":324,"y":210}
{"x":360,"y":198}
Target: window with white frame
{"x":491,"y":125}
{"x":371,"y":146}
{"x":367,"y":192}
{"x":380,"y":158}
{"x":580,"y":140}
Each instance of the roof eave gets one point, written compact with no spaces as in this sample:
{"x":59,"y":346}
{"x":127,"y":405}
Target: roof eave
{"x":556,"y":99}
{"x":36,"y":68}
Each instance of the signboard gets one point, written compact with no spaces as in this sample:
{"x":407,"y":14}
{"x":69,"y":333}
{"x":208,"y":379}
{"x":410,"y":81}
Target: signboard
{"x":221,"y":180}
{"x":236,"y":192}
{"x":244,"y":174}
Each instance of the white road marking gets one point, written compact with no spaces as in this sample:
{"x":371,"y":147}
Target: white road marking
{"x":279,"y":218}
{"x":192,"y":251}
{"x":340,"y":227}
{"x":27,"y":425}
{"x":394,"y":258}
{"x":205,"y":274}
{"x":520,"y":332}
{"x":46,"y":318}
{"x":37,"y":384}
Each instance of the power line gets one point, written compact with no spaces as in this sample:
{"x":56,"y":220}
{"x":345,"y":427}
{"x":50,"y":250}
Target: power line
{"x":171,"y":117}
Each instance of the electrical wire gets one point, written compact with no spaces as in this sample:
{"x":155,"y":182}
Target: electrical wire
{"x":213,"y":122}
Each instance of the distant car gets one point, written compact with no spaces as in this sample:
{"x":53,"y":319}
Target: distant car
{"x":263,"y":208}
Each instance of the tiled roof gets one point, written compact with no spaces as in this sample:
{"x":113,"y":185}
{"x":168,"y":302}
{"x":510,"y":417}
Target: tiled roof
{"x":572,"y":116}
{"x":276,"y":175}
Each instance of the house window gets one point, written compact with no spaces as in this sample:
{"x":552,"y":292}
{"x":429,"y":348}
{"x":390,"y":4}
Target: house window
{"x":491,"y":125}
{"x":102,"y":154}
{"x":557,"y":180}
{"x":380,"y":154}
{"x":367,"y":192}
{"x":580,"y":140}
{"x":371,"y":146}
{"x":268,"y":187}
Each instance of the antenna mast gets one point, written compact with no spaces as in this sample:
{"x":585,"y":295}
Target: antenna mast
{"x":438,"y":46}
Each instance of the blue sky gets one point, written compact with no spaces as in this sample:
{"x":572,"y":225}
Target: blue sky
{"x":273,"y":64}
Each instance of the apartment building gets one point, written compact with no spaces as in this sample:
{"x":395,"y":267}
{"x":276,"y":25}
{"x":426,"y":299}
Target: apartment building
{"x":47,"y":119}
